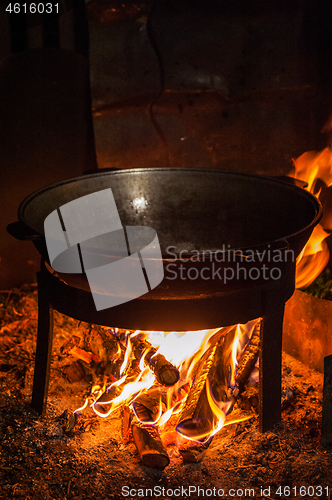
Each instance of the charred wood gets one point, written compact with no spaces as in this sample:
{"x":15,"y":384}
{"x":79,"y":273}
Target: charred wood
{"x":149,"y":445}
{"x":287,"y":396}
{"x":105,"y":347}
{"x":194,"y":452}
{"x":74,"y":341}
{"x":70,"y":423}
{"x":248,"y":400}
{"x":72,"y":347}
{"x":84,"y":355}
{"x":74,"y":372}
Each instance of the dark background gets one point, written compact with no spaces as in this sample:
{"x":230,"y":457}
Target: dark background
{"x":235,"y":84}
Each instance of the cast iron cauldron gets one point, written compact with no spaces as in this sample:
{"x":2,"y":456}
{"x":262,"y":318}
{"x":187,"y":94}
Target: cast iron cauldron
{"x":192,"y":210}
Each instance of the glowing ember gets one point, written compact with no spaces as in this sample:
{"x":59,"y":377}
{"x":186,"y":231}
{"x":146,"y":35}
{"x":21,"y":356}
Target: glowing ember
{"x":310,"y":167}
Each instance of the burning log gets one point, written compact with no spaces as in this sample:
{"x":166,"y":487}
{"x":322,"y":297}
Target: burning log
{"x":102,"y":405}
{"x":166,"y":373}
{"x":149,"y":445}
{"x":146,"y":437}
{"x":198,"y":420}
{"x":248,"y":361}
{"x":126,"y":423}
{"x":147,"y":406}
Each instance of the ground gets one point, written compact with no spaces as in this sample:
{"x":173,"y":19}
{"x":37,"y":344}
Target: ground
{"x":39,"y":461}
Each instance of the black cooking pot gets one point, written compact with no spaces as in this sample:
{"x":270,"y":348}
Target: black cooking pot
{"x":210,"y":223}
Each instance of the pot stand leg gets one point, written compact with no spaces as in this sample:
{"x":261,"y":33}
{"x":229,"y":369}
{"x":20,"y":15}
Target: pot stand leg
{"x":270,"y":363}
{"x":44,"y":347}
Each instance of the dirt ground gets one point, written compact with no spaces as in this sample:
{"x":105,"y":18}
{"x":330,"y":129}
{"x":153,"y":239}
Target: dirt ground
{"x":39,"y":461}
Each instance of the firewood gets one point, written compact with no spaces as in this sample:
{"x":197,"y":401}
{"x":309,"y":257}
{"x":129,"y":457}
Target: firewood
{"x":105,"y":347}
{"x":147,"y":405}
{"x":166,"y":373}
{"x":146,"y":408}
{"x":74,"y":372}
{"x":70,"y":423}
{"x":149,"y":445}
{"x":74,"y":341}
{"x":127,"y":416}
{"x":194,"y":452}
{"x":197,"y":419}
{"x":106,"y":398}
{"x":115,"y":390}
{"x":248,"y":360}
{"x":71,"y":346}
{"x":84,"y":355}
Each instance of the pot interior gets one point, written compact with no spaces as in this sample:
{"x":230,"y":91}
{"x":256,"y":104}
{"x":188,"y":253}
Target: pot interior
{"x":191,"y":209}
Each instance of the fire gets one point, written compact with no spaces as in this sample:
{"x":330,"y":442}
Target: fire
{"x":311,"y":167}
{"x":185,"y":350}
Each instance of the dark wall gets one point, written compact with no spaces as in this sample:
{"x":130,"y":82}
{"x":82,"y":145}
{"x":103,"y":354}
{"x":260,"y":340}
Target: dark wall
{"x":246,"y":84}
{"x":45,"y":122}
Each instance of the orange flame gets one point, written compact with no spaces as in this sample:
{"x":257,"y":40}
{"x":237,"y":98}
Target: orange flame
{"x":184,"y":350}
{"x":310,"y":167}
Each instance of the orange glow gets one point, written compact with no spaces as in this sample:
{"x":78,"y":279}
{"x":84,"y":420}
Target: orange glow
{"x":310,"y":167}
